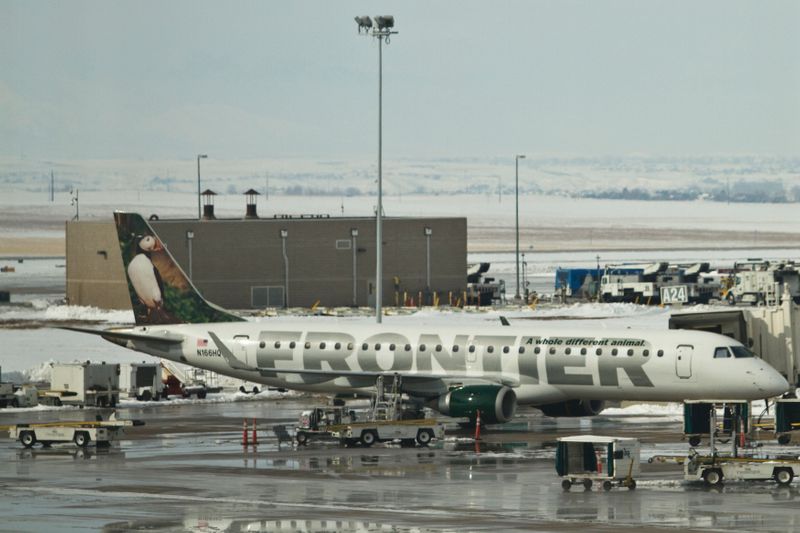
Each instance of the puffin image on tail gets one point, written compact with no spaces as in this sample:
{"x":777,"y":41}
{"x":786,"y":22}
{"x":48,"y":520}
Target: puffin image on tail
{"x":145,"y":278}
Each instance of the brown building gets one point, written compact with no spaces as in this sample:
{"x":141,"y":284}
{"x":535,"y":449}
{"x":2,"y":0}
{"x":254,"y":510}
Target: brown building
{"x":240,"y":264}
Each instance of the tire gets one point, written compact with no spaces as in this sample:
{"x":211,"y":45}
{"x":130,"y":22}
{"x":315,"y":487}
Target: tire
{"x":255,"y":390}
{"x":424,"y":437}
{"x":587,"y":484}
{"x":694,"y":441}
{"x":14,"y":403}
{"x":147,"y":396}
{"x":607,"y":486}
{"x":57,"y":402}
{"x":712,"y":477}
{"x":784,"y":438}
{"x":201,"y":395}
{"x":566,"y":484}
{"x":81,"y":439}
{"x":302,"y":438}
{"x":242,"y":389}
{"x":632,"y":484}
{"x":783,"y":476}
{"x":368,"y":438}
{"x":27,"y":438}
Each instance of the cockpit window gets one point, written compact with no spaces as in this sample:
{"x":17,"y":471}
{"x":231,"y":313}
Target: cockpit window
{"x":721,"y":352}
{"x":741,"y":351}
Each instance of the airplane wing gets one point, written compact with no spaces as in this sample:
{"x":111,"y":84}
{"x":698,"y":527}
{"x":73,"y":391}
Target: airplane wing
{"x":408,"y":376}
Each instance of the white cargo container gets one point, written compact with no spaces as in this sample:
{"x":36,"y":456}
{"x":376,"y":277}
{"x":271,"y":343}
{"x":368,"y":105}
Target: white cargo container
{"x":93,"y":384}
{"x":141,"y":381}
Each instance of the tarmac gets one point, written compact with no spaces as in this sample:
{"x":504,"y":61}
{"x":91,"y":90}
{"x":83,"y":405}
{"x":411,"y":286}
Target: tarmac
{"x":185,"y":470}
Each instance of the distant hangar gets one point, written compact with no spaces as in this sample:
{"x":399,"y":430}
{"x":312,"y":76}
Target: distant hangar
{"x":240,"y":263}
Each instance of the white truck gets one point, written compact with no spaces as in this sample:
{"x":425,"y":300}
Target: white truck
{"x":714,"y":469}
{"x":86,"y":384}
{"x":141,"y":381}
{"x":409,"y":432}
{"x":18,"y":396}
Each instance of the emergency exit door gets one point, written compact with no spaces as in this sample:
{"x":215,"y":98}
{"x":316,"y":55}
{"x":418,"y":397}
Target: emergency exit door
{"x":683,"y":361}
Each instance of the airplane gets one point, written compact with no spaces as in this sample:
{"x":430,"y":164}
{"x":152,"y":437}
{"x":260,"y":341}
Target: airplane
{"x":457,"y":370}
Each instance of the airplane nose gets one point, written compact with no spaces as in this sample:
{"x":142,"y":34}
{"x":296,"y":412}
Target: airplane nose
{"x":772,"y":383}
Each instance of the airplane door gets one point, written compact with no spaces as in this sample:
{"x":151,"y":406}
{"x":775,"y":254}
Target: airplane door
{"x":683,"y":361}
{"x":244,"y":350}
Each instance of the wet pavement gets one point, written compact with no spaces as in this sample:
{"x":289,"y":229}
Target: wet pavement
{"x":185,"y":470}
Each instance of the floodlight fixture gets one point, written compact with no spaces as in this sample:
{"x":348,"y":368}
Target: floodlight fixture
{"x":364,"y":23}
{"x":384,"y":22}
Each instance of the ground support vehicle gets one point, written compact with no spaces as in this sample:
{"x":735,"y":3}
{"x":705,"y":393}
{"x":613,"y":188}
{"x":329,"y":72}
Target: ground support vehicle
{"x":409,"y":432}
{"x":101,"y":432}
{"x":321,"y":422}
{"x":714,"y":469}
{"x":93,"y":384}
{"x":587,"y":459}
{"x":18,"y":396}
{"x":141,"y":381}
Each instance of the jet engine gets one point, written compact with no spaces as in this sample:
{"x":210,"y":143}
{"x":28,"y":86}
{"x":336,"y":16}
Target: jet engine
{"x":573,"y":408}
{"x":496,"y":403}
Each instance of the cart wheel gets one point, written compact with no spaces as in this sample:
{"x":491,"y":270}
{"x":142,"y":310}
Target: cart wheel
{"x":255,"y":390}
{"x":587,"y":484}
{"x":424,"y":437}
{"x":694,"y":441}
{"x":784,"y":438}
{"x":783,"y":476}
{"x":566,"y":484}
{"x":632,"y":484}
{"x":712,"y":477}
{"x":302,"y":438}
{"x":27,"y":438}
{"x":81,"y":439}
{"x":368,"y":438}
{"x":607,"y":486}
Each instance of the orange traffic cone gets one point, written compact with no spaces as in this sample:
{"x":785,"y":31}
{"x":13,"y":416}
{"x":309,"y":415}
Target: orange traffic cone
{"x":244,"y":432}
{"x":478,"y":425}
{"x":255,"y":436}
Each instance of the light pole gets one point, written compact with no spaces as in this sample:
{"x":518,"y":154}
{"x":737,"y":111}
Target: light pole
{"x":189,"y":238}
{"x":354,"y":237}
{"x":284,"y":236}
{"x":199,"y":212}
{"x":382,"y":30}
{"x":428,"y":233}
{"x":517,"y":296}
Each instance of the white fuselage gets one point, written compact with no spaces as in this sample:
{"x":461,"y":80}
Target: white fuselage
{"x":542,"y":364}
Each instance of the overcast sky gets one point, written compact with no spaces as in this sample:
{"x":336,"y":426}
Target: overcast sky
{"x":154,"y":79}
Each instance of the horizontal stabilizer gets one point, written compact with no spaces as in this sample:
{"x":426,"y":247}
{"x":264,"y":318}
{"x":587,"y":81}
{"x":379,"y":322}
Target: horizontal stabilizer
{"x":116,"y":336}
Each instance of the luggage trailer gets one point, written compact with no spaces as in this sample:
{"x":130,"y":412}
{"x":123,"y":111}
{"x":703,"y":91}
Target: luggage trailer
{"x":82,"y":433}
{"x":587,"y":459}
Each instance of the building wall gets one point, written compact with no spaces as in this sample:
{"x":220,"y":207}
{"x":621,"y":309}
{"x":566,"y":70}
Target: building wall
{"x":230,"y":257}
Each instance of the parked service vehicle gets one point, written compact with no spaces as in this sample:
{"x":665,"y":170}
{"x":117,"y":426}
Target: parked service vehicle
{"x":18,"y":396}
{"x":89,"y":384}
{"x":101,"y":432}
{"x":141,"y":381}
{"x":409,"y":432}
{"x":713,"y":470}
{"x":587,"y":459}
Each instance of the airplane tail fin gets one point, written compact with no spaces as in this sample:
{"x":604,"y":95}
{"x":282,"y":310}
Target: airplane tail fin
{"x":161,"y":293}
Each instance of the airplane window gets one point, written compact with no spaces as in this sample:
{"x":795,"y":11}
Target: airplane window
{"x":421,"y":347}
{"x":455,"y":348}
{"x":262,"y":344}
{"x":599,"y":351}
{"x":277,"y":344}
{"x":438,"y":347}
{"x":645,"y":352}
{"x":614,"y":351}
{"x":721,"y":353}
{"x":741,"y":351}
{"x":292,"y":344}
{"x":660,"y":353}
{"x":552,"y":350}
{"x":521,"y":349}
{"x":490,"y":349}
{"x":308,"y":345}
{"x":408,"y":347}
{"x":583,"y":351}
{"x":505,"y":349}
{"x":322,"y":346}
{"x":472,"y":349}
{"x":365,"y":346}
{"x":337,"y":346}
{"x":568,"y":351}
{"x":350,"y":346}
{"x":392,"y":347}
{"x":377,"y":346}
{"x":630,"y":353}
{"x":537,"y":350}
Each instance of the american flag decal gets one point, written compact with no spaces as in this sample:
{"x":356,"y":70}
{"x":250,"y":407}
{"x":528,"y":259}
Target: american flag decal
{"x":202,"y":343}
